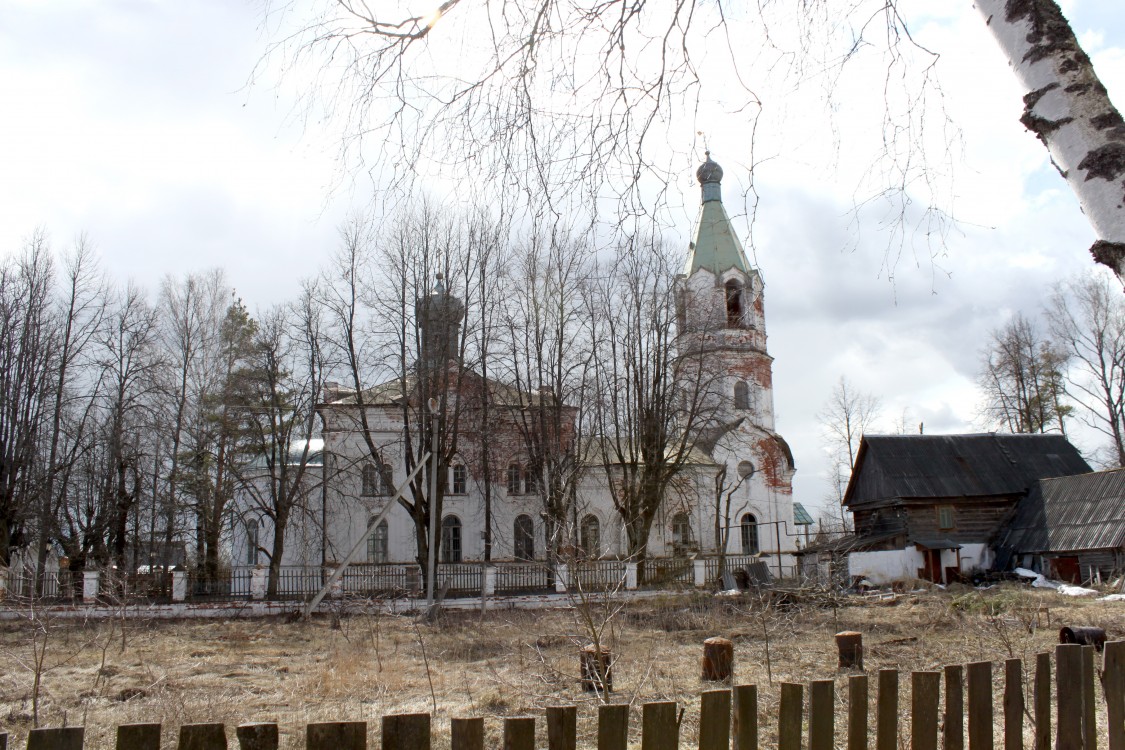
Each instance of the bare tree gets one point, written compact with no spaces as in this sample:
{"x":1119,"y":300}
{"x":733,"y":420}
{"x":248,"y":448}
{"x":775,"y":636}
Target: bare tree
{"x":27,"y":337}
{"x":553,"y":101}
{"x":413,"y":365}
{"x":548,"y":361}
{"x":1023,"y":380}
{"x":844,"y":418}
{"x":652,"y":393}
{"x":1087,"y":319}
{"x":193,"y":310}
{"x":80,"y":309}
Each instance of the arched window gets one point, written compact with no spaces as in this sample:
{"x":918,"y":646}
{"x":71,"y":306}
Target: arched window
{"x":515,"y":479}
{"x":251,"y":542}
{"x":589,"y":537}
{"x":451,"y":539}
{"x":370,"y":480}
{"x":734,"y":303}
{"x":749,"y":534}
{"x":524,"y":538}
{"x":459,"y":477}
{"x":681,"y":530}
{"x":387,"y":480}
{"x":377,"y":543}
{"x":741,"y":395}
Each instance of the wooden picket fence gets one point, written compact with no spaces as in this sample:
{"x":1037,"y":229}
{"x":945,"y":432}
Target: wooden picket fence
{"x":732,"y":715}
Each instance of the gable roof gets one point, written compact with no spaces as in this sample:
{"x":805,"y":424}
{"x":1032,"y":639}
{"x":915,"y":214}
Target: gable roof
{"x":935,"y":466}
{"x":1081,"y":512}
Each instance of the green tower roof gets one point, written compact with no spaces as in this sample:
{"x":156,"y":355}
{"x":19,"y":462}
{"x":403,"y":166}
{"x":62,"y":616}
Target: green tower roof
{"x":716,"y":245}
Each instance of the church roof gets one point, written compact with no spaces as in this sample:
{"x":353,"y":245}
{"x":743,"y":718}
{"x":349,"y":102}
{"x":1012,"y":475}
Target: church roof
{"x":716,"y":245}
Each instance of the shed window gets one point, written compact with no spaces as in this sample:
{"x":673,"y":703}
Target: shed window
{"x":945,"y":516}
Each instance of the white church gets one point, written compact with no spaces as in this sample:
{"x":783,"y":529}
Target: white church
{"x":720,"y":311}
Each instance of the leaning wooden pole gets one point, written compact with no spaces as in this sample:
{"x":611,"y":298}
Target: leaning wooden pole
{"x":339,"y":572}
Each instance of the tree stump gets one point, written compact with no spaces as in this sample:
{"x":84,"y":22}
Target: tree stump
{"x":597,"y":669}
{"x":718,"y":659}
{"x":850,"y":645}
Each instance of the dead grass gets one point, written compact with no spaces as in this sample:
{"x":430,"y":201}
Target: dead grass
{"x":500,"y":664}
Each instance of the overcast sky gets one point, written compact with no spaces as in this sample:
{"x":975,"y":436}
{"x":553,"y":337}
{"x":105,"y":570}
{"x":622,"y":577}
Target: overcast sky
{"x":132,"y":121}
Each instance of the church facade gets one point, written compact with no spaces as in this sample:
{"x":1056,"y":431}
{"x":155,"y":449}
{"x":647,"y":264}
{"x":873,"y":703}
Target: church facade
{"x":734,"y":491}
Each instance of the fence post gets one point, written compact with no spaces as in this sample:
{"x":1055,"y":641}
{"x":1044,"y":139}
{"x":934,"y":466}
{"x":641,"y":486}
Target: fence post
{"x":258,"y":583}
{"x":1013,"y":704}
{"x":953,"y":728}
{"x":822,"y":714}
{"x":89,"y":586}
{"x":211,"y":736}
{"x":3,"y":590}
{"x":488,"y":587}
{"x":138,"y":737}
{"x":613,"y":726}
{"x":718,"y":659}
{"x":467,"y":733}
{"x":179,"y":585}
{"x":519,"y":733}
{"x":336,"y":735}
{"x":746,"y":717}
{"x":699,"y":572}
{"x":789,"y":716}
{"x":980,"y":705}
{"x":562,"y":578}
{"x":630,"y":576}
{"x":257,"y":735}
{"x":1089,"y":706}
{"x":886,"y":711}
{"x":660,"y":727}
{"x":1068,"y":697}
{"x":406,"y":732}
{"x":857,"y":712}
{"x":1043,"y":702}
{"x":61,"y":738}
{"x":925,"y":692}
{"x":714,"y":720}
{"x":1113,"y":682}
{"x":562,"y":727}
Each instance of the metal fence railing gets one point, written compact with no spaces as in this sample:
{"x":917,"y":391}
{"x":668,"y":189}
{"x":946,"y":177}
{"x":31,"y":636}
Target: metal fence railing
{"x":372,"y":580}
{"x":666,"y":570}
{"x":599,"y":575}
{"x":524,"y":578}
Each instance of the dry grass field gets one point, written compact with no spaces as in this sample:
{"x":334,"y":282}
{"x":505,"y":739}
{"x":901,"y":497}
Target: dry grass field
{"x":496,"y":664}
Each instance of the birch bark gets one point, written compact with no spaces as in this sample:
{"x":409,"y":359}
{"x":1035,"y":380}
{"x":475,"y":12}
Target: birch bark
{"x":1068,"y":108}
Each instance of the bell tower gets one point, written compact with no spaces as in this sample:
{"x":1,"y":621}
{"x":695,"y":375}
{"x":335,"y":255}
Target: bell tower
{"x":721,"y":316}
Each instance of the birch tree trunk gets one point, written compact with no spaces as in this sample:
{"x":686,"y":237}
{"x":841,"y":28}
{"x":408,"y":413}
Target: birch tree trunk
{"x":1069,"y":109}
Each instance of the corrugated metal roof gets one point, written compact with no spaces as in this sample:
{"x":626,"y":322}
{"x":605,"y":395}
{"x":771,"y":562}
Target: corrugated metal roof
{"x":1083,"y":512}
{"x":930,"y":466}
